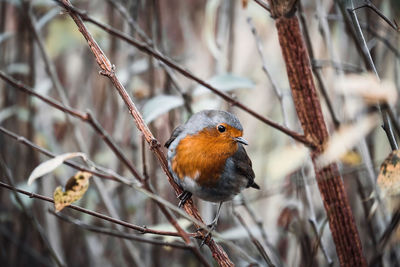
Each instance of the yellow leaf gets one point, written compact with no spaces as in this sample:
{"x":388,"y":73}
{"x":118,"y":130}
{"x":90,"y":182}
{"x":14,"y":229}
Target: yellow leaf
{"x":351,"y":158}
{"x":74,"y":190}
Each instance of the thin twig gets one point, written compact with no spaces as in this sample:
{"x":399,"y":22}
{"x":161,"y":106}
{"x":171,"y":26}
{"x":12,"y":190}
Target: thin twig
{"x":258,"y":245}
{"x":277,"y":90}
{"x":370,"y":5}
{"x":262,"y":4}
{"x":144,"y":165}
{"x":359,"y":39}
{"x":340,"y":66}
{"x":140,"y":229}
{"x":74,"y":165}
{"x":260,"y":226}
{"x":135,"y":27}
{"x":118,"y":234}
{"x":318,"y":235}
{"x":28,"y":213}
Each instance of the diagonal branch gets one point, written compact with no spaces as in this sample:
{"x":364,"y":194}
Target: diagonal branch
{"x":105,"y":65}
{"x":107,"y":69}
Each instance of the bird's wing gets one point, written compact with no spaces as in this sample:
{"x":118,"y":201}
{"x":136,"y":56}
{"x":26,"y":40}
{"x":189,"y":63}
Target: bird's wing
{"x":243,"y":166}
{"x":174,"y":134}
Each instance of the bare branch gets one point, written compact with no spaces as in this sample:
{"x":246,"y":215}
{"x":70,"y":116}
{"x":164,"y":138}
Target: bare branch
{"x":118,"y":234}
{"x":107,"y":71}
{"x":140,"y":229}
{"x":371,"y":6}
{"x":257,"y":243}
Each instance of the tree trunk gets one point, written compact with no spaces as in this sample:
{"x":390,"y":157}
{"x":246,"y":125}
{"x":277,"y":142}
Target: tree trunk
{"x":341,"y":222}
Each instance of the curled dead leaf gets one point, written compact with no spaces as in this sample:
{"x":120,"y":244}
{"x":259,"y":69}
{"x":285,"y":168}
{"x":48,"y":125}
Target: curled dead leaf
{"x":75,"y":188}
{"x":389,"y":175}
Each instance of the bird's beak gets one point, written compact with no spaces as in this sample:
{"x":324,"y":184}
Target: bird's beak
{"x":241,"y":140}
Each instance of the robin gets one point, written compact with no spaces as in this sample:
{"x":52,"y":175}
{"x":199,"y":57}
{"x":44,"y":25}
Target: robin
{"x":207,"y":159}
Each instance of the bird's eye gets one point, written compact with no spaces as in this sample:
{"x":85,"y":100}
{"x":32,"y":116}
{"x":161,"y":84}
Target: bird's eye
{"x":221,"y":128}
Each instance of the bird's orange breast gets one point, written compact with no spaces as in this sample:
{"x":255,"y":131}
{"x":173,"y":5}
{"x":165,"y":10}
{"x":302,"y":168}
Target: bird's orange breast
{"x":202,"y":156}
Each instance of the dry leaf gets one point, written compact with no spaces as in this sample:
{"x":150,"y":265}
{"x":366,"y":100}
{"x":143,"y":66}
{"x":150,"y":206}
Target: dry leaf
{"x":51,"y":164}
{"x":389,"y":183}
{"x":346,"y":138}
{"x":369,"y":88}
{"x":245,"y":3}
{"x":389,"y":175}
{"x":74,"y":190}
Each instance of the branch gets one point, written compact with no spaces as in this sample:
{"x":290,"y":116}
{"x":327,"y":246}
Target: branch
{"x":107,"y":70}
{"x":143,"y":230}
{"x":370,"y":5}
{"x":74,"y":165}
{"x":35,"y":223}
{"x":275,"y":87}
{"x":107,"y":174}
{"x":263,"y":5}
{"x":118,"y":234}
{"x":356,"y":33}
{"x":257,"y":243}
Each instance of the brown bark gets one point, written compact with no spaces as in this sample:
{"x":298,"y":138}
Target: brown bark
{"x":341,"y":222}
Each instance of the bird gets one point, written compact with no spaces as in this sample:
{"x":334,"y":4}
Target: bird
{"x":207,"y":159}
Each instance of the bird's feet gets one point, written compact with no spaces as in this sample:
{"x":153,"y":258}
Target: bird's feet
{"x":183,"y":197}
{"x":210,"y":227}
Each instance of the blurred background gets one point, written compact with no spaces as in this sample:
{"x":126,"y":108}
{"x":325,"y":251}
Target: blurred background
{"x":233,"y":45}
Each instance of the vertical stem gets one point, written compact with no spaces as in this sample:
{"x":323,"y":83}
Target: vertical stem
{"x":341,"y":222}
